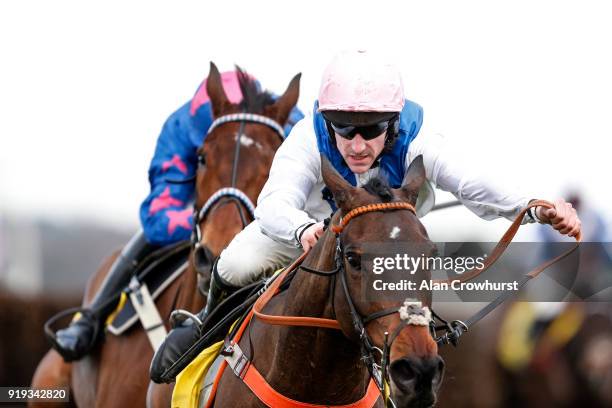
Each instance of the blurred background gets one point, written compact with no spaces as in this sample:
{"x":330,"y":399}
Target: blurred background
{"x":520,"y":90}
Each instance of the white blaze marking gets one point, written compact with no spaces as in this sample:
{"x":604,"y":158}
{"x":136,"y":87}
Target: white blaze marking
{"x":246,"y":141}
{"x":394,"y":232}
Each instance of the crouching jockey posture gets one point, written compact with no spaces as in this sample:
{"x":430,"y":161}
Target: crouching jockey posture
{"x":366,"y":128}
{"x":166,"y":214}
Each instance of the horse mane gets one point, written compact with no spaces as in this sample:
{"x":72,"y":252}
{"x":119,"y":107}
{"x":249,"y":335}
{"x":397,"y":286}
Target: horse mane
{"x":379,"y":187}
{"x":253,"y":100}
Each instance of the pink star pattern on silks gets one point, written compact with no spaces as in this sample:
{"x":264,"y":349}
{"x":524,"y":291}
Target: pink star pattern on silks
{"x":164,"y":200}
{"x":177,"y":162}
{"x":178,"y":219}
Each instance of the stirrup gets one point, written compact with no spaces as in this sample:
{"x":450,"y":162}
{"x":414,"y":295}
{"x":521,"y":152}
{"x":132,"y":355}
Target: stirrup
{"x":179,"y":316}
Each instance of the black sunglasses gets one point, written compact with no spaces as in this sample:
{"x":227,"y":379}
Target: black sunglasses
{"x":367,"y":132}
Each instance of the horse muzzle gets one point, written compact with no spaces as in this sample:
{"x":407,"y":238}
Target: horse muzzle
{"x":415,"y":381}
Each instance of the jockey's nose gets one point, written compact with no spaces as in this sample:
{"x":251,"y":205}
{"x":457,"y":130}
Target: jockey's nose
{"x":358,"y":144}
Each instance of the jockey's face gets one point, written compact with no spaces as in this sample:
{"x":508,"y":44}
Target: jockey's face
{"x":358,"y":153}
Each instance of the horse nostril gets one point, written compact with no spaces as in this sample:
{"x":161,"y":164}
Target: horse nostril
{"x":417,"y":375}
{"x":403,"y":373}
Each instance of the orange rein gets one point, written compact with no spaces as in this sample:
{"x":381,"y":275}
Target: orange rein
{"x":317,"y":321}
{"x":257,"y":383}
{"x":251,"y":376}
{"x":333,"y":324}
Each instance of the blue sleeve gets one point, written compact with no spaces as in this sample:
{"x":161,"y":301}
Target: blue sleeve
{"x":166,"y":213}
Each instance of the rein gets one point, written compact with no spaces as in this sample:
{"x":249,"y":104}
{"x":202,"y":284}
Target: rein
{"x":410,"y":313}
{"x":377,"y":371}
{"x":453,"y":330}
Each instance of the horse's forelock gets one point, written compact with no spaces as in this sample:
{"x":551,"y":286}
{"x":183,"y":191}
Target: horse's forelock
{"x":253,"y":100}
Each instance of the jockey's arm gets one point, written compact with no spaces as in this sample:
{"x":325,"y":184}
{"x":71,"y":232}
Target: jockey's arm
{"x":446,"y":171}
{"x":477,"y":193}
{"x":166,"y":212}
{"x":295,"y":170}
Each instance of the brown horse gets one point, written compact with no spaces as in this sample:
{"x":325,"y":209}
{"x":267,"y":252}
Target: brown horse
{"x":116,"y":372}
{"x":320,"y":365}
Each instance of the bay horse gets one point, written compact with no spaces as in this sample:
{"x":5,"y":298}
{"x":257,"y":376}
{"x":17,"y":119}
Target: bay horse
{"x":116,"y":373}
{"x":333,"y":362}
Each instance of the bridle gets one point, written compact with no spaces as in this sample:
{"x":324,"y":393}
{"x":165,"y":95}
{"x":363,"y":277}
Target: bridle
{"x":378,"y":369}
{"x":230,"y":194}
{"x":410,"y":313}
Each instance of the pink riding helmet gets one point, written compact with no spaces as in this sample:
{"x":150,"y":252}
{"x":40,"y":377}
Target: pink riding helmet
{"x":359,"y":81}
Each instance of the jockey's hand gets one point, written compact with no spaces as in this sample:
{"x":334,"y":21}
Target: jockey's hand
{"x":311,"y":235}
{"x":563,"y":217}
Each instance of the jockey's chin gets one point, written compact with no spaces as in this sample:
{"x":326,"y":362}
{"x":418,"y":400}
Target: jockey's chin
{"x":358,"y":153}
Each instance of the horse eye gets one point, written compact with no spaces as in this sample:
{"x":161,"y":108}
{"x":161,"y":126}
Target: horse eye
{"x":201,"y":160}
{"x":354,"y":260}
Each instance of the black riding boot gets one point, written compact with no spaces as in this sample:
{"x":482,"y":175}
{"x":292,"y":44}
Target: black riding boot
{"x":75,"y":341}
{"x":186,"y":333}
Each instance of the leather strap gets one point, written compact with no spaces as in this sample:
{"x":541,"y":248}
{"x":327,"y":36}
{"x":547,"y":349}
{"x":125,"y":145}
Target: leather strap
{"x":258,"y":385}
{"x":503,"y":243}
{"x":264,"y":391}
{"x":223,"y":365}
{"x":288,"y":320}
{"x":370,"y":208}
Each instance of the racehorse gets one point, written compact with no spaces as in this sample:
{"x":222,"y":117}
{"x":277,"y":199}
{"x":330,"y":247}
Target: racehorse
{"x":227,"y":184}
{"x":349,"y":343}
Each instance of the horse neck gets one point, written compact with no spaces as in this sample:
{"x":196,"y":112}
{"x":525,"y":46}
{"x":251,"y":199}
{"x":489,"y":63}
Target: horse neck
{"x":317,"y":357}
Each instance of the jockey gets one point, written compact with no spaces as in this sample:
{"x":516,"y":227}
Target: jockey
{"x":365,"y":127}
{"x":166,"y":213}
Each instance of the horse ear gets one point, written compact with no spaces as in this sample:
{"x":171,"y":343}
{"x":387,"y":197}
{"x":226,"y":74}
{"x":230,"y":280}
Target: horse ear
{"x":341,"y":189}
{"x":216,"y":93}
{"x":414,"y":178}
{"x":287,"y":101}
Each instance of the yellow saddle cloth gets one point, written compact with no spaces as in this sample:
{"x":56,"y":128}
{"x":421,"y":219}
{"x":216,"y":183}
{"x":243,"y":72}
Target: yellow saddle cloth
{"x":190,"y":381}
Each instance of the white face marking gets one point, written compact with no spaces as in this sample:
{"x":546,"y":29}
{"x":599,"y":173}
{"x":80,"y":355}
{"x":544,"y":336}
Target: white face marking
{"x":394,"y":232}
{"x":247,"y":142}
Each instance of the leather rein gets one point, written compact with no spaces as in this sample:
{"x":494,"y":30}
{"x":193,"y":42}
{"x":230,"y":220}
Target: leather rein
{"x":452,"y":331}
{"x":378,"y":371}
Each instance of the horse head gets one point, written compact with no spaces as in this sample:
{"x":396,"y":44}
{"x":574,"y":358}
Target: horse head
{"x":233,"y":165}
{"x":235,"y":158}
{"x":391,"y":326}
